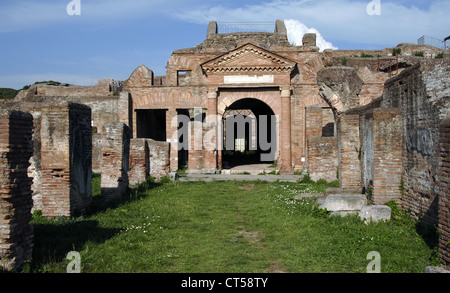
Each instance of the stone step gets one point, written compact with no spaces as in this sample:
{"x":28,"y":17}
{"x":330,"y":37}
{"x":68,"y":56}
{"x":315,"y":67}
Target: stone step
{"x":354,"y":204}
{"x":343,"y":202}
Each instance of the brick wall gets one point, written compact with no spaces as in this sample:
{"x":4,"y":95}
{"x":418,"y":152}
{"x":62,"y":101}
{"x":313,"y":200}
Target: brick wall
{"x":66,"y":160}
{"x":444,"y":193}
{"x":80,"y":144}
{"x":322,"y":158}
{"x":159,"y":152}
{"x":115,"y":153}
{"x":139,"y":164}
{"x":16,"y":148}
{"x":202,"y":159}
{"x":97,"y":139}
{"x":387,"y":154}
{"x":313,"y":122}
{"x":423,"y":102}
{"x":148,"y":157}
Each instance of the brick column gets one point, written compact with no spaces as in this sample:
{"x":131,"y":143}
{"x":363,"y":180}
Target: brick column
{"x":213,"y":120}
{"x":124,"y":111}
{"x":387,"y":154}
{"x":115,"y":152}
{"x":16,"y":148}
{"x":285,"y":131}
{"x":139,"y":165}
{"x":172,"y":137}
{"x":349,"y":151}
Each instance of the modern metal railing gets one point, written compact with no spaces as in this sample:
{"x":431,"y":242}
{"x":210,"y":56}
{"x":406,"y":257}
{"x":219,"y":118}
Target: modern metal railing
{"x":427,"y":40}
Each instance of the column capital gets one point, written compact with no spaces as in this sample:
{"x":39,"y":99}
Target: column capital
{"x":212,"y":93}
{"x":285,"y":91}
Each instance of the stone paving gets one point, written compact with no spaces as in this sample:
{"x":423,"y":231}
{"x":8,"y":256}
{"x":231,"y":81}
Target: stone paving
{"x":243,"y":172}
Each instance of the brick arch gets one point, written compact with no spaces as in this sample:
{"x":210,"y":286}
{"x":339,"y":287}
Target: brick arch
{"x":270,"y":98}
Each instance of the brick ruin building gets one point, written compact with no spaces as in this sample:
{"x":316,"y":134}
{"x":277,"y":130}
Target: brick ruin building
{"x":380,"y":124}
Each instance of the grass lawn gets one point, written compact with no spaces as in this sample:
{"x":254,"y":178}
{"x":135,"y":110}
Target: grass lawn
{"x":225,"y":227}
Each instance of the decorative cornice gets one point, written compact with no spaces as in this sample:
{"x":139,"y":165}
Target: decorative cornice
{"x":270,"y":62}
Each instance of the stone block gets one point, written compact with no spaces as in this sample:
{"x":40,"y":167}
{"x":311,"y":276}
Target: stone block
{"x":344,"y":202}
{"x":436,"y":270}
{"x":375,"y":213}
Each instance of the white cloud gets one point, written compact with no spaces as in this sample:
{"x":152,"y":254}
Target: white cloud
{"x":344,"y":21}
{"x":296,"y":30}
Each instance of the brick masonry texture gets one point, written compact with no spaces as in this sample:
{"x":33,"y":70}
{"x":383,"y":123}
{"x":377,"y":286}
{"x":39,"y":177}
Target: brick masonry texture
{"x":66,"y":166}
{"x":16,"y":148}
{"x":322,"y":158}
{"x":139,"y":165}
{"x":421,"y":111}
{"x":148,"y":158}
{"x":444,"y":192}
{"x":159,"y":158}
{"x":387,"y":150}
{"x":349,"y":148}
{"x":403,"y":146}
{"x":115,"y":153}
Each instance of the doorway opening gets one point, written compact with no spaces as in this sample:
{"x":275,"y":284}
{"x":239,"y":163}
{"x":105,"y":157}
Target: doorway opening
{"x":250,"y":135}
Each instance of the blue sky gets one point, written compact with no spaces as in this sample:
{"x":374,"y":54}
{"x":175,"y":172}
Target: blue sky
{"x":40,"y":41}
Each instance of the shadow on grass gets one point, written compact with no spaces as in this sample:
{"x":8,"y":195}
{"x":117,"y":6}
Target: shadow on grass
{"x":53,"y":239}
{"x":101,"y":203}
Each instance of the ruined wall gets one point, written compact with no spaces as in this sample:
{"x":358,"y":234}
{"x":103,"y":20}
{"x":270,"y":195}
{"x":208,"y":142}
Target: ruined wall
{"x":80,"y":151}
{"x":115,"y":153}
{"x":139,"y":163}
{"x":322,"y":146}
{"x":443,"y":190}
{"x":202,"y":156}
{"x":349,"y":151}
{"x":102,"y":88}
{"x":387,"y":155}
{"x":66,"y":146}
{"x":322,"y":158}
{"x":16,"y":148}
{"x":159,"y":152}
{"x":423,"y":95}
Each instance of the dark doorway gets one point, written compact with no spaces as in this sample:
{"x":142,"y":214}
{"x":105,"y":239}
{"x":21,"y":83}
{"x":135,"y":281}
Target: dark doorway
{"x":151,"y":123}
{"x":183,"y":137}
{"x":249,"y":133}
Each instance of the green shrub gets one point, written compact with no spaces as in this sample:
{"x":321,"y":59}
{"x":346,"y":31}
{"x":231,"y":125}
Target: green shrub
{"x":396,"y":51}
{"x":364,"y":55}
{"x":320,"y":213}
{"x":7,"y":93}
{"x":418,"y":53}
{"x":306,"y":179}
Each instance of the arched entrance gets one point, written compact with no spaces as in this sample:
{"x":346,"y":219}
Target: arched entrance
{"x":249,"y":133}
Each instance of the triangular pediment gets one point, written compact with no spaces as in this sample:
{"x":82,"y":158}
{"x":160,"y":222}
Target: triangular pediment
{"x":248,"y":58}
